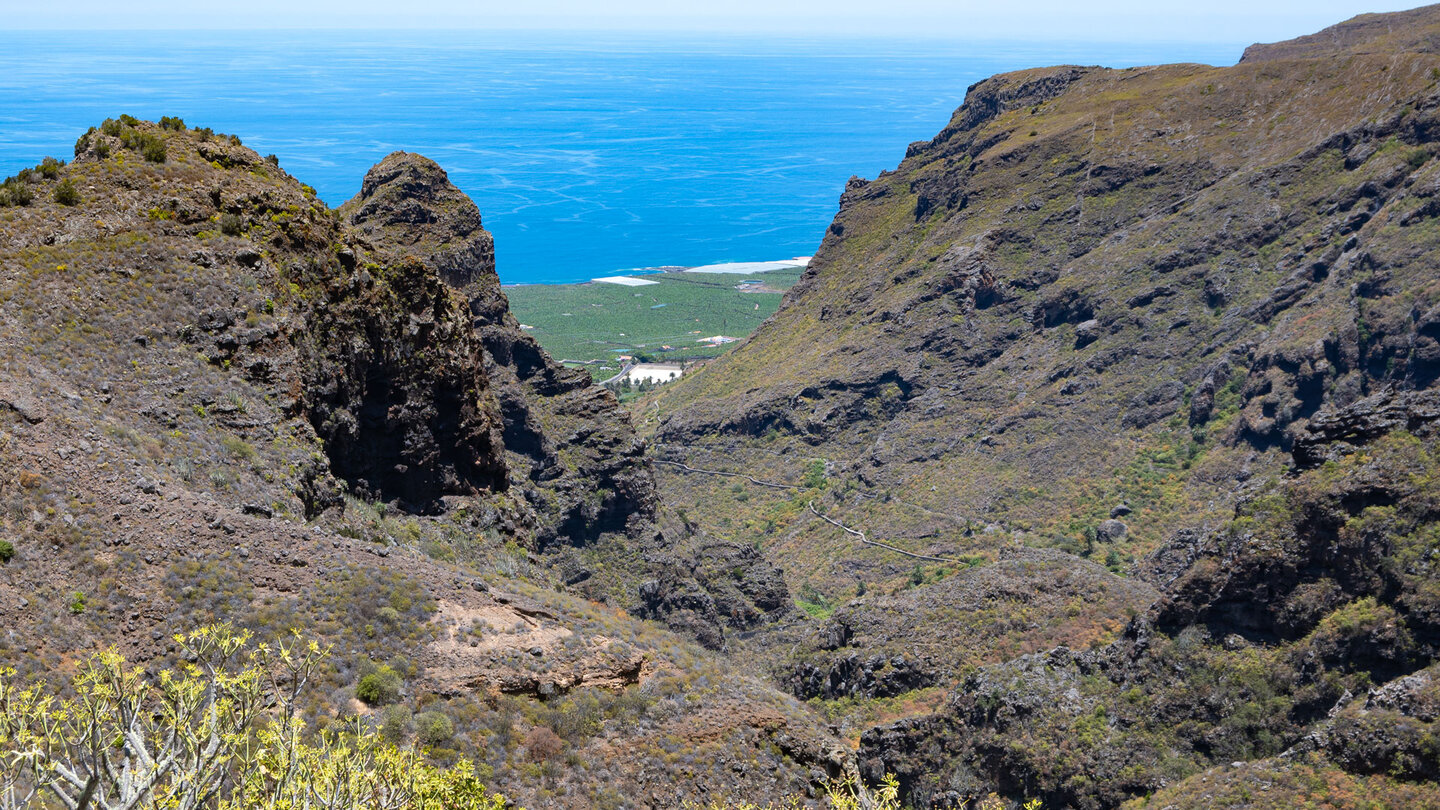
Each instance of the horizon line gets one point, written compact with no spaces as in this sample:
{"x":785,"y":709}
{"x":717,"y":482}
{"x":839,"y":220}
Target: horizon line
{"x":1039,"y":38}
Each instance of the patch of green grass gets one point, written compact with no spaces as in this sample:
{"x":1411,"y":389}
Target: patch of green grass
{"x":598,"y":321}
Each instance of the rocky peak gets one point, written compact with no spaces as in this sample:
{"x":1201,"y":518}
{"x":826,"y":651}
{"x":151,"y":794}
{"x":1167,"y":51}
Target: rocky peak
{"x":407,"y":205}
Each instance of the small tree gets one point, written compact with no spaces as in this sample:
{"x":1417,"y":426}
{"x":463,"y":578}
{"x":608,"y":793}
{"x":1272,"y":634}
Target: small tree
{"x":153,"y":149}
{"x":50,"y":168}
{"x":815,"y":474}
{"x":223,"y":732}
{"x":433,"y":728}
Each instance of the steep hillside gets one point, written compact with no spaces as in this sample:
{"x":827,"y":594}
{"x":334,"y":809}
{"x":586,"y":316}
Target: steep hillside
{"x":222,"y":401}
{"x":1096,"y":294}
{"x":1302,"y":632}
{"x":1182,"y":321}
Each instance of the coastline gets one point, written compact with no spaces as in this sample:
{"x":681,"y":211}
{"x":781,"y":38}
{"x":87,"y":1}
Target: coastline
{"x":719,"y":268}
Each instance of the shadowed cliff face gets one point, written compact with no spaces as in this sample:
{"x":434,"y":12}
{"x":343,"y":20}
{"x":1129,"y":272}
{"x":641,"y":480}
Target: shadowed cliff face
{"x":395,"y":388}
{"x":570,"y":451}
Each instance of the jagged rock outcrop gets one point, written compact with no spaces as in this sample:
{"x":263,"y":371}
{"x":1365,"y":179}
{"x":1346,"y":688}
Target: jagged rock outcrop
{"x":407,"y":204}
{"x":570,"y":449}
{"x":1266,"y":631}
{"x":573,"y":454}
{"x":395,"y":388}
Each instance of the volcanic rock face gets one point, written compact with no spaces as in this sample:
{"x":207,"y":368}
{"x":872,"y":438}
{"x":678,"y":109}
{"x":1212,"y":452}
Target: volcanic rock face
{"x":408,"y":204}
{"x":572,"y":452}
{"x":402,"y":403}
{"x":1268,"y":632}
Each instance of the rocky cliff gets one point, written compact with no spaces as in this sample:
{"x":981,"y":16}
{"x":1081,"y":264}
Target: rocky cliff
{"x":223,"y":401}
{"x":1300,"y":634}
{"x":570,"y":449}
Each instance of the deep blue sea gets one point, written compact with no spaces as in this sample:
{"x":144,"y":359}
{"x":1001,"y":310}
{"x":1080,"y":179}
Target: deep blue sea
{"x":587,"y":153}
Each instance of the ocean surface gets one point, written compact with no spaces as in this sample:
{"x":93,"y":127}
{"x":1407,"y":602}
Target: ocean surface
{"x":588,"y":154}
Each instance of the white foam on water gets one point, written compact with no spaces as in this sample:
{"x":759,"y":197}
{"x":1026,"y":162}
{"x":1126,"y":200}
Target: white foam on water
{"x":625,"y":281}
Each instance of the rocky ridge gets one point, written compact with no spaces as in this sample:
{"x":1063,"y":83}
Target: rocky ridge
{"x":223,"y":401}
{"x":1093,"y":287}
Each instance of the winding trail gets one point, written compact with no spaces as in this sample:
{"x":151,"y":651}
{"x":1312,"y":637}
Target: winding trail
{"x":867,"y":541}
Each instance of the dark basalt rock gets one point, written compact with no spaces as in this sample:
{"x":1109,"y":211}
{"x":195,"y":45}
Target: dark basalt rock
{"x":569,"y":448}
{"x":397,"y":391}
{"x":407,"y":206}
{"x":1332,"y":434}
{"x":1111,"y":531}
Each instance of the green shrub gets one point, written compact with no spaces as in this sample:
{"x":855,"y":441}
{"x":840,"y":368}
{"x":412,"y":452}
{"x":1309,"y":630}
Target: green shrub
{"x":111,"y":127}
{"x":231,"y":224}
{"x":77,"y":603}
{"x":394,"y":723}
{"x":148,"y":144}
{"x":15,"y":192}
{"x":172,"y":123}
{"x":66,"y":193}
{"x":153,"y":149}
{"x":50,"y":168}
{"x":239,"y":449}
{"x":815,"y":474}
{"x":379,"y":688}
{"x":129,"y":120}
{"x":433,"y":728}
{"x":7,"y":551}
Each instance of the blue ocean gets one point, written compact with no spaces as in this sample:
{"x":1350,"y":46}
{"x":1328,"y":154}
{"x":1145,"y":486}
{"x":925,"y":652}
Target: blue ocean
{"x":587,"y":153}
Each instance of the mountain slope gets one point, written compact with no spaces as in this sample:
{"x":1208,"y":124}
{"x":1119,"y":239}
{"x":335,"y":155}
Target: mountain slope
{"x":1183,"y":320}
{"x":1094,"y":289}
{"x":222,"y":401}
